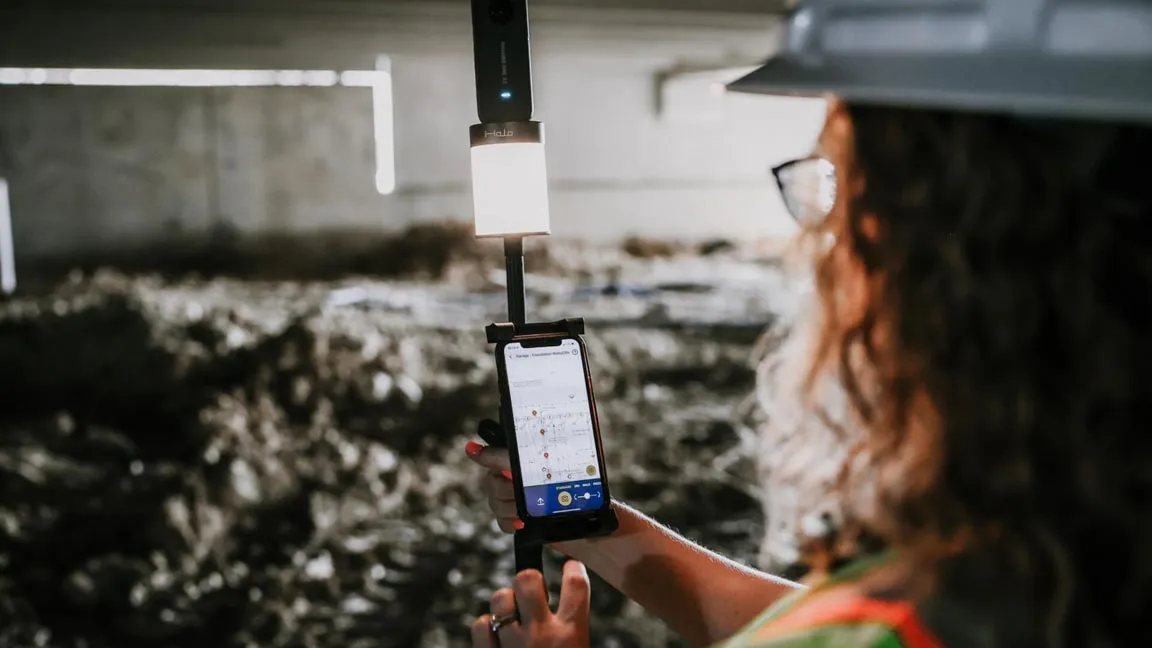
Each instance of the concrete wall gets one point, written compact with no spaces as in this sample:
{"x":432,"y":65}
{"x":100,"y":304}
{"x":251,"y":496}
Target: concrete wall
{"x":95,"y":168}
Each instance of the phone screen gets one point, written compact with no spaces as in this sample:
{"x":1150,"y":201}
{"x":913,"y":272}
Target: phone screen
{"x":555,"y":437}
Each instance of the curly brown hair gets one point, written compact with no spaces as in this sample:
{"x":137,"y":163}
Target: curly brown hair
{"x":1002,"y":368}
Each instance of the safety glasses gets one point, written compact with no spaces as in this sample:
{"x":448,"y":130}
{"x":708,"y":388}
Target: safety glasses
{"x":808,"y":187}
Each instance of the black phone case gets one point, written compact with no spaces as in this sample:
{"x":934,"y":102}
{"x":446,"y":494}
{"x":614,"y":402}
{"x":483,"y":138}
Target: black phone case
{"x":567,"y":526}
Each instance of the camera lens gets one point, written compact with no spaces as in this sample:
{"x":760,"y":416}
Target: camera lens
{"x":501,"y":12}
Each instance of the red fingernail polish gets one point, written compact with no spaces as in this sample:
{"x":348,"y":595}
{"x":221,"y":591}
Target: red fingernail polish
{"x":518,"y":525}
{"x":508,"y":475}
{"x":473,"y":448}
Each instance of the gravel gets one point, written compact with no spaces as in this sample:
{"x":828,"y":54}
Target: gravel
{"x":223,"y":462}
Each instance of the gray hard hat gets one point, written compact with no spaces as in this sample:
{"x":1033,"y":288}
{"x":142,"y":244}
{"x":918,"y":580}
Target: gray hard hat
{"x":1080,"y":59}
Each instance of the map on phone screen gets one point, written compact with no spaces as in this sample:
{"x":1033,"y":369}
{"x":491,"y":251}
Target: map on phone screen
{"x":559,"y":463}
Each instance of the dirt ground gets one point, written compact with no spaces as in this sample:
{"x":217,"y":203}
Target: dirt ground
{"x":273,"y":462}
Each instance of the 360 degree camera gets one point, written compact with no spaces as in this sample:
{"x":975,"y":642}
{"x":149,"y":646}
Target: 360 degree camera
{"x":501,"y":12}
{"x":503,"y":60}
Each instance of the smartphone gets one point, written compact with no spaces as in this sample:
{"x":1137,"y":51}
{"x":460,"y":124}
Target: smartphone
{"x":556,"y":451}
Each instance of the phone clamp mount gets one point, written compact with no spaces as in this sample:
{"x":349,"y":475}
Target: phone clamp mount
{"x":513,"y":332}
{"x":531,"y":539}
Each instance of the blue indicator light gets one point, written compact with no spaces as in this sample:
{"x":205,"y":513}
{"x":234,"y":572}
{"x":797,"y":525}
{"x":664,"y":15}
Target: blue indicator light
{"x":507,"y":94}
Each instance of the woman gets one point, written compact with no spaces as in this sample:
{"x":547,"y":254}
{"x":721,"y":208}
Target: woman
{"x":985,"y":292}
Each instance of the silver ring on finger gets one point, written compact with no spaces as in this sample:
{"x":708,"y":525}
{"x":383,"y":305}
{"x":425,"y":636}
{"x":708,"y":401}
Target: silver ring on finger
{"x":498,"y":623}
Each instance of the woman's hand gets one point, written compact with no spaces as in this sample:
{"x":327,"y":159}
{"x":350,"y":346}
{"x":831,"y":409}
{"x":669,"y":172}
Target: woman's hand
{"x":702,"y":595}
{"x":538,"y":626}
{"x":497,"y":484}
{"x":501,"y":495}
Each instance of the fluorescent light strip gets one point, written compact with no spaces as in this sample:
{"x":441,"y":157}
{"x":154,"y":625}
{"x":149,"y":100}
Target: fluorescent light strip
{"x":383,"y":118}
{"x":7,"y":253}
{"x":191,"y":78}
{"x":379,"y":80}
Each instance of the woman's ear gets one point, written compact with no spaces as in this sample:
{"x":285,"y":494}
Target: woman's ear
{"x":836,"y":138}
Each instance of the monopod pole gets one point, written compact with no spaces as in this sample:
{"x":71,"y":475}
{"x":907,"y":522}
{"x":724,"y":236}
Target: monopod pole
{"x":528,"y":555}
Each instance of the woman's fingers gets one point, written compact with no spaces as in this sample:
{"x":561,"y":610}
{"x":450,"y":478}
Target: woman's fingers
{"x":504,"y":607}
{"x":505,"y":510}
{"x":498,"y":484}
{"x":482,"y":633}
{"x":502,"y":501}
{"x":575,"y":593}
{"x":507,"y":518}
{"x":531,"y":597}
{"x":499,"y":487}
{"x":491,"y":457}
{"x":503,"y":603}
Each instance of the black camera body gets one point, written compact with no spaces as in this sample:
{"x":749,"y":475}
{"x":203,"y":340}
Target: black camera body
{"x":503,"y":58}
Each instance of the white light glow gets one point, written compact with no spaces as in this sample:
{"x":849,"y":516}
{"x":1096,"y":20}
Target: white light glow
{"x":383,"y":118}
{"x":7,"y":252}
{"x":175,"y":78}
{"x":249,"y":78}
{"x":12,"y":76}
{"x":359,"y":78}
{"x":510,"y":189}
{"x":190,"y":78}
{"x":290,"y":78}
{"x":320,"y":78}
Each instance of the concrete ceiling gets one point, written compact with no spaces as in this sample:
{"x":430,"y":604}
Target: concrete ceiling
{"x":349,"y":33}
{"x":698,"y":6}
{"x":708,"y":6}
